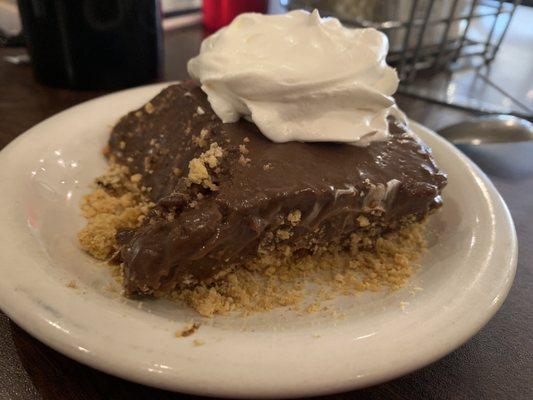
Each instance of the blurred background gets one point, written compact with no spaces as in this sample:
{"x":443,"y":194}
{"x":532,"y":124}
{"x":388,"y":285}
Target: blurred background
{"x":468,"y":54}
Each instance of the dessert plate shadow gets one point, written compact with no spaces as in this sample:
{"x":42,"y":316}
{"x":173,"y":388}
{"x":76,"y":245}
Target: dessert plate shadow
{"x":61,"y":296}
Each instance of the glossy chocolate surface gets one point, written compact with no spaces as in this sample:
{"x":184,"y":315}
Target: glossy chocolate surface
{"x":258,"y":184}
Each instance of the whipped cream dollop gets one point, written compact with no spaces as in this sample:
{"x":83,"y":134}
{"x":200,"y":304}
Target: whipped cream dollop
{"x":299,"y":77}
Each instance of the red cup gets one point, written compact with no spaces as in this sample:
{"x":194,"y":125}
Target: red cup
{"x":219,"y":13}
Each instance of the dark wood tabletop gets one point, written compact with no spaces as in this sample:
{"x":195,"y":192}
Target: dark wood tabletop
{"x":497,"y":363}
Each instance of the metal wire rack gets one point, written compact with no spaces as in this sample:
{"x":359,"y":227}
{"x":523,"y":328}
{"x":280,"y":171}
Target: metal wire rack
{"x":427,"y":34}
{"x":433,"y":37}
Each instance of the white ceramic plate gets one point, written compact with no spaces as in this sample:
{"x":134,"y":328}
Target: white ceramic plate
{"x":466,"y":275}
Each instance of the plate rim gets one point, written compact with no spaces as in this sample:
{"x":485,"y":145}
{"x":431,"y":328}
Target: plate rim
{"x":49,"y":335}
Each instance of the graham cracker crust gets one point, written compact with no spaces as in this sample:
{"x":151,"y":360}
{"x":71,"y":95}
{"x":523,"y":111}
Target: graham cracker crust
{"x":273,"y":279}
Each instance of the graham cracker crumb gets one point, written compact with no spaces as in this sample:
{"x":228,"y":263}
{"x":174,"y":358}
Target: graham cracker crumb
{"x":200,"y":110}
{"x":115,"y":203}
{"x":363,"y":221}
{"x":149,"y":108}
{"x":283,"y":234}
{"x":72,"y":285}
{"x":187,"y":330}
{"x":414,"y":290}
{"x":98,"y":236}
{"x":243,"y":149}
{"x":198,"y":342}
{"x":246,"y":139}
{"x":198,"y":172}
{"x":267,"y":167}
{"x":200,"y":140}
{"x":244,"y":161}
{"x":311,"y":308}
{"x":211,"y":156}
{"x":294,"y":217}
{"x":136,"y":178}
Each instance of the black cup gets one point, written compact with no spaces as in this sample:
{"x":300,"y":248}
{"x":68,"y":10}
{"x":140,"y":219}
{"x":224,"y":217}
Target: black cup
{"x":93,"y":44}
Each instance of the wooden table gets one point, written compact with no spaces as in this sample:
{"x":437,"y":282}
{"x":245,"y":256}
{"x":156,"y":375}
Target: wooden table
{"x":494,"y":364}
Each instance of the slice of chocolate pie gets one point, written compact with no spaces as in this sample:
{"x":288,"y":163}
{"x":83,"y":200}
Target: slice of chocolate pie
{"x":225,"y":195}
{"x":286,"y":153}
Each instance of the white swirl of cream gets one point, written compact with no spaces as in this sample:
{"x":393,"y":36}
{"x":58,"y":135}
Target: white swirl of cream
{"x":300,"y":77}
